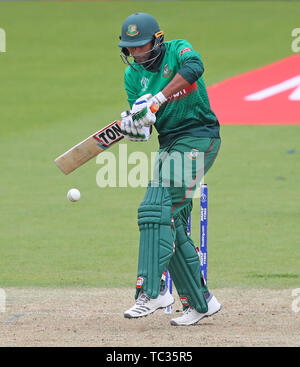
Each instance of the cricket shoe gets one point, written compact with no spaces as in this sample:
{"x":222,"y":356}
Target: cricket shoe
{"x":145,"y":305}
{"x":190,"y":316}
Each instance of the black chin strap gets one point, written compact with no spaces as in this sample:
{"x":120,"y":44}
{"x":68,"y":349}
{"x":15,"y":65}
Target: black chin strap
{"x":154,"y":65}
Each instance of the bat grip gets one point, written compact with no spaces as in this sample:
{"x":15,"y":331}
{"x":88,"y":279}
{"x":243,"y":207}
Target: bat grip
{"x":154,"y":108}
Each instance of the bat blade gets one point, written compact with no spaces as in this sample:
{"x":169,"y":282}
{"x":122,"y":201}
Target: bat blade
{"x":89,"y":148}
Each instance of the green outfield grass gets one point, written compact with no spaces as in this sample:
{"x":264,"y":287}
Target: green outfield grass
{"x":62,"y":79}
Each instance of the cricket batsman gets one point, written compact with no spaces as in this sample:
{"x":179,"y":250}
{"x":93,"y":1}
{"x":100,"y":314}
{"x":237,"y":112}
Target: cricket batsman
{"x":168,"y":75}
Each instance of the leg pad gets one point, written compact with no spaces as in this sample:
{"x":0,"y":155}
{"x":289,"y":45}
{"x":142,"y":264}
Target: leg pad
{"x":156,"y":239}
{"x":184,"y":268}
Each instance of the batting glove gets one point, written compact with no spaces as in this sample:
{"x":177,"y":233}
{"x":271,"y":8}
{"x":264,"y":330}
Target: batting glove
{"x":141,"y":110}
{"x":131,"y":132}
{"x":159,"y":99}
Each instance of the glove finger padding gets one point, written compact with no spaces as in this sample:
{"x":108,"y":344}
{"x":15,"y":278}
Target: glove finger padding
{"x":144,"y":117}
{"x":156,"y":239}
{"x":126,"y":122}
{"x":141,"y":111}
{"x":140,"y":103}
{"x":130,"y":131}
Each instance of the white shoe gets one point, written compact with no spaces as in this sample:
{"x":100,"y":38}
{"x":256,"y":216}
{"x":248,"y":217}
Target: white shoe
{"x":190,"y":316}
{"x":145,"y":305}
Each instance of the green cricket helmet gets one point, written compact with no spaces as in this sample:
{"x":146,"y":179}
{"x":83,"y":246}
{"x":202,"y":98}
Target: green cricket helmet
{"x":138,"y":30}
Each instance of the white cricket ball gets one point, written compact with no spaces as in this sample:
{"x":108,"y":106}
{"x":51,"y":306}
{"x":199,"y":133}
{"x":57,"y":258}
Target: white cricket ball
{"x":73,"y":195}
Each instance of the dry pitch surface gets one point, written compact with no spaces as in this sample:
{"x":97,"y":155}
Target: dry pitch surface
{"x":94,"y":317}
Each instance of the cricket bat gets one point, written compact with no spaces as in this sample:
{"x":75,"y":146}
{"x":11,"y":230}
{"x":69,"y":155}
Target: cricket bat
{"x":92,"y":146}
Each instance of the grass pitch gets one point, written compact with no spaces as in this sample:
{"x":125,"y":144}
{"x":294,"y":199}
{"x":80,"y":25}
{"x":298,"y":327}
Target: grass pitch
{"x":62,"y":79}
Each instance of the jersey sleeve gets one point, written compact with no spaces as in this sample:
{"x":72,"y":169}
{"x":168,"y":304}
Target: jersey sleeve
{"x":190,"y":64}
{"x":131,"y":91}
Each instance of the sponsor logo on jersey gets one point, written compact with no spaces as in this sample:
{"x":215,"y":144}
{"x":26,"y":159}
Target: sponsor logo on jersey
{"x":139,"y":282}
{"x":185,"y":50}
{"x":144,"y":83}
{"x":184,"y":92}
{"x":167,"y":72}
{"x":132,"y":30}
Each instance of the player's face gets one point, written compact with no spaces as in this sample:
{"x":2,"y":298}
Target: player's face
{"x":141,"y":53}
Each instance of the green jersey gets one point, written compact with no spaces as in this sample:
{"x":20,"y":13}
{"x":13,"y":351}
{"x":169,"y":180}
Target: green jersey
{"x":186,"y":113}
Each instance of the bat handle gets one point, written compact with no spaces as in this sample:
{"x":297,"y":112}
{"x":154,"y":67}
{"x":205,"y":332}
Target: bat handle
{"x":154,"y":108}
